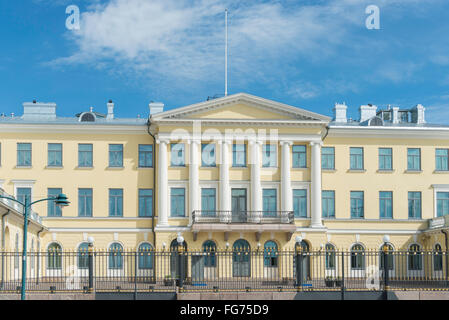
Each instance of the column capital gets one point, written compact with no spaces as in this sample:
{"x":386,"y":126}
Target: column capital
{"x":165,"y":141}
{"x":194,"y":141}
{"x":319,"y":143}
{"x":286,"y":142}
{"x":226,"y":141}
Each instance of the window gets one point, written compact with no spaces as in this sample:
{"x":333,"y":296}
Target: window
{"x":330,"y":257}
{"x":385,"y":159}
{"x":115,"y":256}
{"x":177,"y":154}
{"x":442,"y":159}
{"x":299,"y":156}
{"x":208,"y":202}
{"x":239,"y":155}
{"x":209,"y":248}
{"x":357,"y":201}
{"x":24,"y":154}
{"x":328,"y":158}
{"x":116,"y":202}
{"x":52,"y":209}
{"x":414,"y":205}
{"x":55,"y":155}
{"x":414,"y":159}
{"x":386,"y":204}
{"x":146,"y":256}
{"x":24,"y":193}
{"x":442,"y":203}
{"x":145,"y":156}
{"x":300,"y":203}
{"x":177,"y":202}
{"x":357,"y":257}
{"x":145,"y":202}
{"x":208,"y":155}
{"x":438,"y":258}
{"x":116,"y":155}
{"x":269,"y":202}
{"x":17,"y":255}
{"x":54,"y":260}
{"x":415,"y":258}
{"x":356,"y":158}
{"x":328,"y":204}
{"x":83,"y":256}
{"x":85,"y":155}
{"x":270,"y":254}
{"x":85,"y":202}
{"x":269,"y":156}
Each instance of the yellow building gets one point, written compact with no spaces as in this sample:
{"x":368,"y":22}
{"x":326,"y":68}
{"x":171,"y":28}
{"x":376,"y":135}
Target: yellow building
{"x":239,"y":170}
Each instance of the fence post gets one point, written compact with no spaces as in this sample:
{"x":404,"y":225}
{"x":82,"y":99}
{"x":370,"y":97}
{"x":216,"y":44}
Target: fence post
{"x":342,"y":275}
{"x":299,"y":259}
{"x":180,"y":266}
{"x":91,"y":266}
{"x":135,"y":275}
{"x":385,"y":259}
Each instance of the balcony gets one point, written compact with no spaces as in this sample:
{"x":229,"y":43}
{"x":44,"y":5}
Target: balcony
{"x":12,"y":205}
{"x":243,"y":221}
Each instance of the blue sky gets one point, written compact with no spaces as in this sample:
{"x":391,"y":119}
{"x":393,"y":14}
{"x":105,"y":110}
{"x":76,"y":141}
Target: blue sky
{"x":306,"y":53}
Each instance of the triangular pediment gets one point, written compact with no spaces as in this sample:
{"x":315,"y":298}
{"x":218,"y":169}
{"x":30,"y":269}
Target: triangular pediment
{"x":241,"y":107}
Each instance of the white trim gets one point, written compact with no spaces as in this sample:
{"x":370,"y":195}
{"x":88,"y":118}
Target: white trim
{"x":83,"y":127}
{"x":438,"y":188}
{"x":107,"y":230}
{"x":398,"y":132}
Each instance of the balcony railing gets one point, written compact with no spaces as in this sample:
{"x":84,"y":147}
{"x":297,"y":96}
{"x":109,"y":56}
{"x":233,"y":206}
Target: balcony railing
{"x":254,"y":217}
{"x":18,"y":207}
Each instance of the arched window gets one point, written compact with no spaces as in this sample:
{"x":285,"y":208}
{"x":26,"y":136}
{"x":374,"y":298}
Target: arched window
{"x":209,"y":247}
{"x":389,"y":256}
{"x":438,"y":258}
{"x":330,"y":256}
{"x":146,"y":256}
{"x":241,"y":259}
{"x":270,"y":254}
{"x":415,"y":257}
{"x":54,"y":253}
{"x":115,"y":256}
{"x":357,"y":257}
{"x":83,"y":256}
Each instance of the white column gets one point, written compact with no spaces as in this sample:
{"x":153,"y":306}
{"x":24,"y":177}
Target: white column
{"x":193,"y":179}
{"x":286,"y":186}
{"x":256,"y":188}
{"x":316,"y":185}
{"x":162,"y":178}
{"x":225,"y":192}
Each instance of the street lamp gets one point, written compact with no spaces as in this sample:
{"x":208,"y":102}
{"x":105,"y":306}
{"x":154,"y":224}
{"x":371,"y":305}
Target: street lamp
{"x":386,"y":248}
{"x":299,"y":261}
{"x":60,"y":200}
{"x":90,"y":242}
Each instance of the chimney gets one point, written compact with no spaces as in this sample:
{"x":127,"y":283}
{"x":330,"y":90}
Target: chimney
{"x":395,"y":116}
{"x":39,"y":111}
{"x":367,"y":112}
{"x":110,"y":115}
{"x":156,"y":107}
{"x":418,"y":114}
{"x":340,"y":113}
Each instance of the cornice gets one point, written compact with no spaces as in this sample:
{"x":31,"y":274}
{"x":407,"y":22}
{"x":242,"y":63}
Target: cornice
{"x":389,"y":132}
{"x":74,"y":128}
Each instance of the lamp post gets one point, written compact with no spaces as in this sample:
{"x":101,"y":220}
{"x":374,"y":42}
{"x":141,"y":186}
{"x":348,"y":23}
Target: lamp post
{"x":299,"y":258}
{"x":61,"y":200}
{"x":90,"y":257}
{"x":180,"y":240}
{"x":385,"y":250}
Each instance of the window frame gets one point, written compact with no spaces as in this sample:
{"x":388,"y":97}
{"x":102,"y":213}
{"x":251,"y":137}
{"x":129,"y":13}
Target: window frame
{"x":235,"y":152}
{"x":362,"y":156}
{"x":326,"y":156}
{"x":299,"y":155}
{"x":58,"y":153}
{"x":145,"y":153}
{"x":382,"y":157}
{"x":414,"y":158}
{"x":385,"y":207}
{"x":19,"y":152}
{"x":91,"y":202}
{"x":116,"y":152}
{"x":363,"y":204}
{"x":91,"y":152}
{"x":145,"y":198}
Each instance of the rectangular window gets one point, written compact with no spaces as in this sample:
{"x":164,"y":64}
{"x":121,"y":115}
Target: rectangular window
{"x":116,"y":155}
{"x":85,"y":202}
{"x":328,"y":158}
{"x":357,"y":203}
{"x":24,"y":154}
{"x":208,"y":155}
{"x":85,"y":155}
{"x":414,"y":159}
{"x":328,"y":204}
{"x":52,"y":209}
{"x":116,"y":202}
{"x":239,"y":155}
{"x":386,"y":204}
{"x":208,"y":202}
{"x":145,"y":202}
{"x":414,"y":205}
{"x":24,"y":193}
{"x":442,"y":203}
{"x":177,"y":202}
{"x":299,"y":156}
{"x":300,"y":203}
{"x":269,"y":202}
{"x":177,"y":155}
{"x":385,"y":159}
{"x":55,"y":154}
{"x":356,"y":158}
{"x":442,"y":159}
{"x":145,"y":155}
{"x":269,"y":156}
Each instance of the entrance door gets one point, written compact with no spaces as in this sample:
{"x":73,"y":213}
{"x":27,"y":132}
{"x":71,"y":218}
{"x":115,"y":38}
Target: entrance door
{"x":241,"y":259}
{"x":176,"y":263}
{"x":239,"y":213}
{"x":197,"y":267}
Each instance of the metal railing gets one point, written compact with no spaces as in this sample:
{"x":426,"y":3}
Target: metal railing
{"x":17,"y":207}
{"x":260,"y":217}
{"x":225,"y":270}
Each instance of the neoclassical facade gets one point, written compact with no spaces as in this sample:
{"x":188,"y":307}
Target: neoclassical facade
{"x":238,"y":169}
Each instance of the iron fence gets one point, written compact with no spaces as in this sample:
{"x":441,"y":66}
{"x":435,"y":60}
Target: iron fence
{"x":224,"y":270}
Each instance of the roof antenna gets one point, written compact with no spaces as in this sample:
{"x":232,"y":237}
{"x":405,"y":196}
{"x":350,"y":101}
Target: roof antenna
{"x":226,"y":52}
